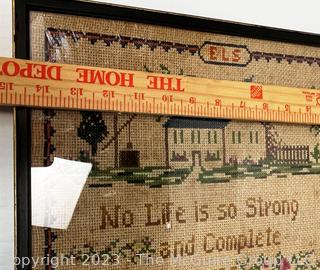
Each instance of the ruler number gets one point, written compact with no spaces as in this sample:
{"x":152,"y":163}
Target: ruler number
{"x":218,"y":102}
{"x":108,"y":93}
{"x":318,"y":99}
{"x":6,"y":86}
{"x":167,"y":98}
{"x":75,"y":91}
{"x":287,"y":108}
{"x":138,"y":96}
{"x":265,"y":106}
{"x":308,"y":109}
{"x":242,"y":104}
{"x":44,"y":88}
{"x":192,"y":100}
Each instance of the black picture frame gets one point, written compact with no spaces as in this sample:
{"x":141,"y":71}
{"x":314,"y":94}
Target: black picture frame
{"x":107,"y":11}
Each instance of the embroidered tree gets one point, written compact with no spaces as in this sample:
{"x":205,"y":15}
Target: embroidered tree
{"x":316,"y":153}
{"x":92,"y":129}
{"x":315,"y":129}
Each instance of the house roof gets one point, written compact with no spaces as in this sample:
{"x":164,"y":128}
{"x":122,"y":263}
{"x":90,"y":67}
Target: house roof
{"x":187,"y":122}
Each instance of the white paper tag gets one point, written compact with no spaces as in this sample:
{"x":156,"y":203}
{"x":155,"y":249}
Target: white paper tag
{"x":55,"y":192}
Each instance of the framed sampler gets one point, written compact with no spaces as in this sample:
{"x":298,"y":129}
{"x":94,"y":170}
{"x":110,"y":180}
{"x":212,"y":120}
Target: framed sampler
{"x":169,"y":187}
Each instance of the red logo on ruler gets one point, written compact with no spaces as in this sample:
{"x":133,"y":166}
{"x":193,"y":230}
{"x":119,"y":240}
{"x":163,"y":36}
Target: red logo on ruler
{"x":256,"y":91}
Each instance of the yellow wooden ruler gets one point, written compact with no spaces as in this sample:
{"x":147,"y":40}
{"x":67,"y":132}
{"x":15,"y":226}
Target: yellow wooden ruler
{"x":53,"y":85}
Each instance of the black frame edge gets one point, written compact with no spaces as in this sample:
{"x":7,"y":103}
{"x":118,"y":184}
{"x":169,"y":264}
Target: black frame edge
{"x":23,"y":185}
{"x":109,"y":11}
{"x":21,"y":33}
{"x":23,"y":145}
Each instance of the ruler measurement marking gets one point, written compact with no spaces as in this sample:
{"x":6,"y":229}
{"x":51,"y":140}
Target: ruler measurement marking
{"x":93,"y":100}
{"x":139,"y":109}
{"x":42,"y":95}
{"x":77,"y":100}
{"x":232,"y":110}
{"x":25,"y":95}
{"x":187,"y":103}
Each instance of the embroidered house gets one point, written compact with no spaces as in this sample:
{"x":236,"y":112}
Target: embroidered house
{"x":247,"y":144}
{"x":195,"y":142}
{"x":215,"y":143}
